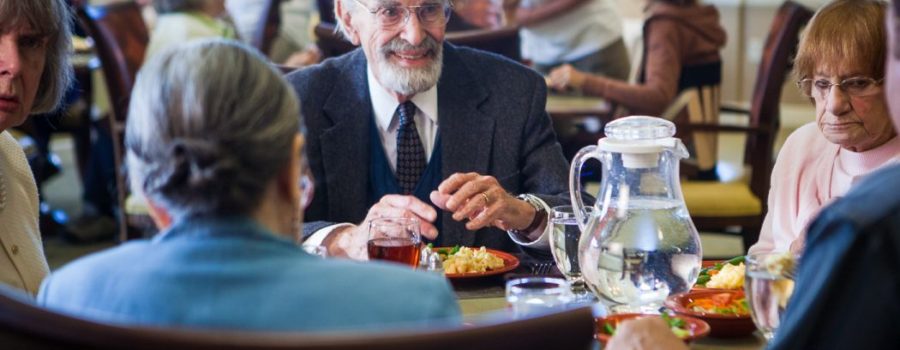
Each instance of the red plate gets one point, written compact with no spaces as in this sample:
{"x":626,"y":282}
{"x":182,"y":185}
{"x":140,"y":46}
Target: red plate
{"x":510,"y":262}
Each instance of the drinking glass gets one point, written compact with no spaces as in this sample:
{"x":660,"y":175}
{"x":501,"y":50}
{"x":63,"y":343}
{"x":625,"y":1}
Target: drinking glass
{"x":395,"y":239}
{"x":531,"y":296}
{"x":564,"y":238}
{"x":769,"y":284}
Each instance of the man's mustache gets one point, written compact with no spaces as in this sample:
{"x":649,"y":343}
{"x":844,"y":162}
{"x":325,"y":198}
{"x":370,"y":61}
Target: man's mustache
{"x":398,"y":44}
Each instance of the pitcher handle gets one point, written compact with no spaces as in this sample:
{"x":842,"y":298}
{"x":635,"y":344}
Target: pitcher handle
{"x":575,"y":182}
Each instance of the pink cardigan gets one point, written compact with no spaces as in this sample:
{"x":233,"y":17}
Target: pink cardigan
{"x":809,"y":173}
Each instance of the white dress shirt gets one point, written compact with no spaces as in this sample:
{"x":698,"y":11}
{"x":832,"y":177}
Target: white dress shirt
{"x":384,"y":106}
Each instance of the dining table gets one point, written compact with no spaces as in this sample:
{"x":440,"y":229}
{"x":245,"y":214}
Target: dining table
{"x":563,"y":106}
{"x":486,"y":295}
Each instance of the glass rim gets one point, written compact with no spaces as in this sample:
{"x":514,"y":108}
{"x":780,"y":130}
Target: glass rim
{"x":567,"y":212}
{"x":518,"y":285}
{"x":399,"y":220}
{"x":384,"y":224}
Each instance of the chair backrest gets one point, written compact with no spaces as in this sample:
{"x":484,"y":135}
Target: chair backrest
{"x":267,"y":27}
{"x":330,"y":42}
{"x":26,"y":326}
{"x":326,"y":11}
{"x":776,"y":63}
{"x":121,"y":39}
{"x":503,"y":41}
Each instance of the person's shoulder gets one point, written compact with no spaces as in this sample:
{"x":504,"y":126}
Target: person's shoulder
{"x":494,"y":68}
{"x":806,"y":133}
{"x":805,"y":142}
{"x":381,"y":279}
{"x":99,"y":262}
{"x":80,"y":275}
{"x":869,"y":203}
{"x":383,"y":272}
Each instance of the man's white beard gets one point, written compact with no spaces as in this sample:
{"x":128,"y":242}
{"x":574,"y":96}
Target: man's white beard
{"x":410,"y":81}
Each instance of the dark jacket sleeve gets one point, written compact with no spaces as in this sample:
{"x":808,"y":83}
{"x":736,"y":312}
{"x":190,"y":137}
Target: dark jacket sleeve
{"x":849,"y":276}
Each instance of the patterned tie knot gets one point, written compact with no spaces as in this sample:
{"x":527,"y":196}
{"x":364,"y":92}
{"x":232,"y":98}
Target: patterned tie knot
{"x":407,"y":112}
{"x":411,"y":160}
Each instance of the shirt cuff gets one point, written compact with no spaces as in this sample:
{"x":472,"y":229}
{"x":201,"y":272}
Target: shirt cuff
{"x":537,"y":239}
{"x":319,"y":236}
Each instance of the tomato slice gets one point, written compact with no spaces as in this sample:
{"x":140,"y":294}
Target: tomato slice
{"x":721,"y":299}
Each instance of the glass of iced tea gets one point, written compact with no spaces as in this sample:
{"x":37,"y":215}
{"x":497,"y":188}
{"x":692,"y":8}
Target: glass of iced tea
{"x":395,"y":239}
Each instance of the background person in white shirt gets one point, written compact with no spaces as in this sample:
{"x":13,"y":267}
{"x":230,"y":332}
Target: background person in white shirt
{"x":586,"y":34}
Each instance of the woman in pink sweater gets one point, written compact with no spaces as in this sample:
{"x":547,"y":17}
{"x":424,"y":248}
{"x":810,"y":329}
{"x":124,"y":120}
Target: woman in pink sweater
{"x":840,"y":66}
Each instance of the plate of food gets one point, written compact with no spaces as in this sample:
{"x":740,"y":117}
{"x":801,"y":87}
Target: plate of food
{"x":726,"y":311}
{"x":470,"y":262}
{"x":685,"y":328}
{"x":727,"y":274}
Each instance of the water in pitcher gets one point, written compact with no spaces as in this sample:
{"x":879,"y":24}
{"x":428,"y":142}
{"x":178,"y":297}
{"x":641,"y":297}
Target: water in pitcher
{"x":633,"y":259}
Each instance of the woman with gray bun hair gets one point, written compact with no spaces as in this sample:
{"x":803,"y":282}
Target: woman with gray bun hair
{"x":214,"y":142}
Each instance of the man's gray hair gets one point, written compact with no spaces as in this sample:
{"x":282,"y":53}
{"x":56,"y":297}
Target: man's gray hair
{"x":51,"y":19}
{"x":340,"y":26}
{"x":210,"y":124}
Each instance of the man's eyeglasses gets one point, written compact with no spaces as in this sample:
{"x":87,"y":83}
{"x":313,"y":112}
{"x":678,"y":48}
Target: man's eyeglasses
{"x":856,"y":86}
{"x":389,"y":17}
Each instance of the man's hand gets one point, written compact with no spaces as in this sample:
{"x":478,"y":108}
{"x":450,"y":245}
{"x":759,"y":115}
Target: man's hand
{"x":482,"y":201}
{"x":647,"y":333}
{"x":350,"y":241}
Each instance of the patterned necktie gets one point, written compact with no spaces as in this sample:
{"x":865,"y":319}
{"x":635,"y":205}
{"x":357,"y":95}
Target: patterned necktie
{"x":411,"y":159}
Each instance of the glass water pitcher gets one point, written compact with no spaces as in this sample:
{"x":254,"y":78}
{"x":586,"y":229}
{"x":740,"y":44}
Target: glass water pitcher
{"x":639,"y":245}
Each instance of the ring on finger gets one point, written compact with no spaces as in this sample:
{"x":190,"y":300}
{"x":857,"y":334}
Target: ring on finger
{"x":487,"y":200}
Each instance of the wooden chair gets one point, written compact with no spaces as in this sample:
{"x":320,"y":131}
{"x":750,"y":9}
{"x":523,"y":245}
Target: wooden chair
{"x":120,"y":39}
{"x":503,"y":41}
{"x":717,"y":206}
{"x":330,"y":42}
{"x":267,"y":27}
{"x":26,"y":326}
{"x":326,"y":11}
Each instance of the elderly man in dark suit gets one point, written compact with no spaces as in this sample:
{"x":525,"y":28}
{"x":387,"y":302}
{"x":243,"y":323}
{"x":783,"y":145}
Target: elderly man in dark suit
{"x":411,"y":126}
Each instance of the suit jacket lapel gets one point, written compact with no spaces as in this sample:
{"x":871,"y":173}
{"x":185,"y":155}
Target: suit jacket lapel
{"x":466,"y":132}
{"x":345,"y":145}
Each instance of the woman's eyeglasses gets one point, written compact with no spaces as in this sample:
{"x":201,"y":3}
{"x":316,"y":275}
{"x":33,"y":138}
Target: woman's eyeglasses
{"x":856,"y":86}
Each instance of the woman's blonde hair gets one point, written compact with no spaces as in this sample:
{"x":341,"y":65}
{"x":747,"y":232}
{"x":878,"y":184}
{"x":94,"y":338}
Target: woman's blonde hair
{"x":841,"y":34}
{"x":51,"y":19}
